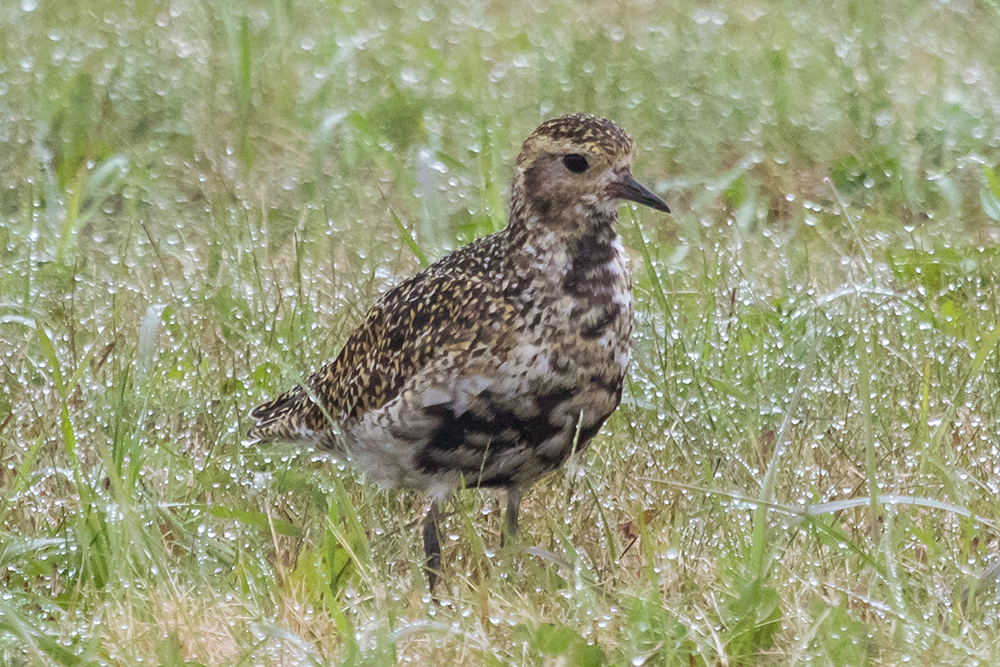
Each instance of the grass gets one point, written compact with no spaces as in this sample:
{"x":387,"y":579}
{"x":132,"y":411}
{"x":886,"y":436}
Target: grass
{"x":199,"y":201}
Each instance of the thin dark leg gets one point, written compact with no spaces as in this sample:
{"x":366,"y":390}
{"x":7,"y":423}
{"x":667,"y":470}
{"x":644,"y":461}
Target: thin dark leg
{"x":432,"y":547}
{"x":513,"y":506}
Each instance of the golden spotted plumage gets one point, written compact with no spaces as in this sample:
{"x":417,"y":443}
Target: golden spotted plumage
{"x":491,"y":365}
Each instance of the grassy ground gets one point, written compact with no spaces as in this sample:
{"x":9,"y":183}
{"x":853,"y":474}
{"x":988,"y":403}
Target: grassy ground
{"x":199,"y":199}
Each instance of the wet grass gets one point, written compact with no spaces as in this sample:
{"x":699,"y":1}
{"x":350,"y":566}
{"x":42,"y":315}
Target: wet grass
{"x":199,"y":201}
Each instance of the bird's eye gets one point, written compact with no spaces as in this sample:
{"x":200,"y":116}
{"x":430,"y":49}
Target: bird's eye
{"x":575,"y":163}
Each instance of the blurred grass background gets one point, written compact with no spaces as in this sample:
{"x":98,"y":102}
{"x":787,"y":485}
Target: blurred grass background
{"x":199,"y":200}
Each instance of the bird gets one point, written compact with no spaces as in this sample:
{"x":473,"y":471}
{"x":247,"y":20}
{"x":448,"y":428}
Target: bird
{"x":490,"y":367}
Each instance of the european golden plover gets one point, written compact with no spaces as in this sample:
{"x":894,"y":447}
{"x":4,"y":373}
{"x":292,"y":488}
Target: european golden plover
{"x":488,"y":368}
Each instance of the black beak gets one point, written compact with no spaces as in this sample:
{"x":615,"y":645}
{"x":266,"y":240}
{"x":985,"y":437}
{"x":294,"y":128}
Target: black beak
{"x":632,"y":190}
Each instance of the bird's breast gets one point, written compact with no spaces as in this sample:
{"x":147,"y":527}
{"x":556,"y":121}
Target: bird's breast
{"x":580,"y":306}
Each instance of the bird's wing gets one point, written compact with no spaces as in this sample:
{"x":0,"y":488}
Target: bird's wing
{"x":471,"y":390}
{"x":439,"y":320}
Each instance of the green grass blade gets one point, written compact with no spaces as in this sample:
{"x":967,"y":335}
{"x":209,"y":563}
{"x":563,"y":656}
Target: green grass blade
{"x":411,"y":243}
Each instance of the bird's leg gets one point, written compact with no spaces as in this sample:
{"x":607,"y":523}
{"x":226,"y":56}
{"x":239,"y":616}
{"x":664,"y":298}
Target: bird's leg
{"x":510,"y":523}
{"x":432,"y":546}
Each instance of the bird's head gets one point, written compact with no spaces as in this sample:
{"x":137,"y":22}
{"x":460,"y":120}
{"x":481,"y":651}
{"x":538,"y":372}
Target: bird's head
{"x":576,"y":167}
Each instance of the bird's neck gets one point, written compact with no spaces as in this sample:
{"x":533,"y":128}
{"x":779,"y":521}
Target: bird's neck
{"x":576,"y":233}
{"x":577,"y":249}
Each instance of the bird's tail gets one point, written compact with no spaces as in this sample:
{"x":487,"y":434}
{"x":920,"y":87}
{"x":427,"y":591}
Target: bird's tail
{"x":292,"y":417}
